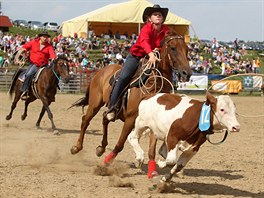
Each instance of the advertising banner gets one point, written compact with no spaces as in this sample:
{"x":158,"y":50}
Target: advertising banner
{"x":199,"y":82}
{"x":227,"y":86}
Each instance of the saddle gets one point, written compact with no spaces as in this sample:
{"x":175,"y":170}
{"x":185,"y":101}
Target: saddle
{"x":138,"y":80}
{"x":35,"y":78}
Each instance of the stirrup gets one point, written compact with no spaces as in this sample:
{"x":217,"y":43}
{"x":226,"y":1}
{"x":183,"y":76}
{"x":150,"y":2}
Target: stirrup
{"x":110,"y":114}
{"x":24,"y":95}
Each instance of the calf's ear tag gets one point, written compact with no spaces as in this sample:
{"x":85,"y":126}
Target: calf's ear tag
{"x":204,"y":122}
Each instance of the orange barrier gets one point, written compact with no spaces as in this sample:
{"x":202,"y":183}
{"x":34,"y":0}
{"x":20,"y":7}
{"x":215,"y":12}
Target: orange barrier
{"x":227,"y":86}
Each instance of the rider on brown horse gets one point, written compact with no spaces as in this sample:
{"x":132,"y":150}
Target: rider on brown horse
{"x":150,"y":37}
{"x":40,"y":51}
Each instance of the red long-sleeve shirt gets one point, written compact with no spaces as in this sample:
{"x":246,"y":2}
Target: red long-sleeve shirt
{"x":39,"y":56}
{"x":148,"y":40}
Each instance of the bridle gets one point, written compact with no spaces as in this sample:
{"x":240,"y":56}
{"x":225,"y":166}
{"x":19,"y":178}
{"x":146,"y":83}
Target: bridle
{"x":166,"y":49}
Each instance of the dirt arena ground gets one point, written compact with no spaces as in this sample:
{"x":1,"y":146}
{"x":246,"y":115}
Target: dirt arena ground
{"x":37,"y":164}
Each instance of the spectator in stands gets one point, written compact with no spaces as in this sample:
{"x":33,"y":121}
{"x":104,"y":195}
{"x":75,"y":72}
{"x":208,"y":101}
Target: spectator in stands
{"x":215,"y":44}
{"x":248,"y":66}
{"x":117,"y":35}
{"x":145,"y":44}
{"x":84,"y":63}
{"x":205,"y":66}
{"x":119,"y":56}
{"x":257,"y":65}
{"x":223,"y":67}
{"x":1,"y":61}
{"x":235,"y":44}
{"x":134,"y":36}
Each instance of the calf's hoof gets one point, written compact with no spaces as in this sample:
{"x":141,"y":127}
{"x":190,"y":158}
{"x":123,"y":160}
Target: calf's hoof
{"x":165,"y":178}
{"x":100,"y":151}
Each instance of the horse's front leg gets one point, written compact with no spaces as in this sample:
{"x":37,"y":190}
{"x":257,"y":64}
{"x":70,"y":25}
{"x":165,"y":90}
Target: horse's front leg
{"x":127,"y":128}
{"x":90,"y":113}
{"x":40,"y":116}
{"x":50,"y":115}
{"x":101,"y":148}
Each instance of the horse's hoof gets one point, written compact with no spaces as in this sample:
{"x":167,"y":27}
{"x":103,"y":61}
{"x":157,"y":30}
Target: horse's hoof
{"x":100,"y":151}
{"x":74,"y":150}
{"x":56,"y":132}
{"x":23,"y":117}
{"x":8,"y":117}
{"x":38,"y":127}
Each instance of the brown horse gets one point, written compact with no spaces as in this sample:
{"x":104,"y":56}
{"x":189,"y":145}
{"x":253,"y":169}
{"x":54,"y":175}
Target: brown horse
{"x":44,"y":87}
{"x":173,"y":55}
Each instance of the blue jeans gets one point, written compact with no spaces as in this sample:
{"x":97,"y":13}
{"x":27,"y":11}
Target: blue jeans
{"x":127,"y":72}
{"x":30,"y":72}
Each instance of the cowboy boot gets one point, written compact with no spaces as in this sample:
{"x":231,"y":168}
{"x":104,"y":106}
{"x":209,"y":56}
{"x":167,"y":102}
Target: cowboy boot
{"x":25,"y":88}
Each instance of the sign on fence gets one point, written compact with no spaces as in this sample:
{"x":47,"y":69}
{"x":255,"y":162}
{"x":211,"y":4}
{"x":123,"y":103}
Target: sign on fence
{"x":199,"y":82}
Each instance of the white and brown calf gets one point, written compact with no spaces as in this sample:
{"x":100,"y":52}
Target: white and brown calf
{"x":174,"y":119}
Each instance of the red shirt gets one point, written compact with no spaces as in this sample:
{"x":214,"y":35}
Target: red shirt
{"x":148,"y":40}
{"x":37,"y":56}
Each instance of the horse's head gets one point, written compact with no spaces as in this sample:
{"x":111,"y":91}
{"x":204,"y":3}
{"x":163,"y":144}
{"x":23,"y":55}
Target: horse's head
{"x":62,"y":68}
{"x":174,"y":55}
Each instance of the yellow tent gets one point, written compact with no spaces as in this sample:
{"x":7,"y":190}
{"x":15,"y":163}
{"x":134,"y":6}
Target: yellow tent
{"x":126,"y":18}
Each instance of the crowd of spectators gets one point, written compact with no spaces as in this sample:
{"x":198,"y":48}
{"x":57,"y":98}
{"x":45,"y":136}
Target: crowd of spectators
{"x":230,"y":60}
{"x":202,"y":56}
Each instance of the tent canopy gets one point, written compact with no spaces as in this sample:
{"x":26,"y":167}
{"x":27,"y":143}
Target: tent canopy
{"x":5,"y":21}
{"x":125,"y":18}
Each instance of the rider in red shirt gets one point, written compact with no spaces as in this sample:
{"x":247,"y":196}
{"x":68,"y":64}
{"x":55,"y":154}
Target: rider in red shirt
{"x":150,"y":37}
{"x":40,"y":52}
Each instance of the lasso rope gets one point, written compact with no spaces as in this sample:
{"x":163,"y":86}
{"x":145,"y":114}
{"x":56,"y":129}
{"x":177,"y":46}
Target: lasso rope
{"x":154,"y":74}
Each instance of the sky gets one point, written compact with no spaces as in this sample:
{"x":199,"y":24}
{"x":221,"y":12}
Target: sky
{"x":223,"y":19}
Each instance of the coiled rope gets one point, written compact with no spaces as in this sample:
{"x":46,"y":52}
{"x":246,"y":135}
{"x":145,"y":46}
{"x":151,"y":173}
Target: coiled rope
{"x":154,"y":75}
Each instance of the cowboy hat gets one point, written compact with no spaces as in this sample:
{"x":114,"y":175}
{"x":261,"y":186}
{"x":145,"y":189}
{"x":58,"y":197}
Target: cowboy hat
{"x":43,"y":34}
{"x":156,"y":8}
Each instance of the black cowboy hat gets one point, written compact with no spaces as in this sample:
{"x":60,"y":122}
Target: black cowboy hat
{"x":156,"y":8}
{"x":43,"y":34}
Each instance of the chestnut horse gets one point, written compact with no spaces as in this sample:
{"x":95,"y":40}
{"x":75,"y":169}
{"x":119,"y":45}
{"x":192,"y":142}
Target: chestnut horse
{"x":43,"y":88}
{"x":173,"y":55}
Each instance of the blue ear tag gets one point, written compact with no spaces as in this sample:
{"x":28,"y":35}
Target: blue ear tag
{"x":204,"y":122}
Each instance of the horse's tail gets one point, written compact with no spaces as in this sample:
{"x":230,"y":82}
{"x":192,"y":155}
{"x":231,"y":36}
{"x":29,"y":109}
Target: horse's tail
{"x":82,"y":102}
{"x":13,"y":83}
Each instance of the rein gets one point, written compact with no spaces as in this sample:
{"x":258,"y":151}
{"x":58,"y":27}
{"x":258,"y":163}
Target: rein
{"x":54,"y":72}
{"x":166,"y":47}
